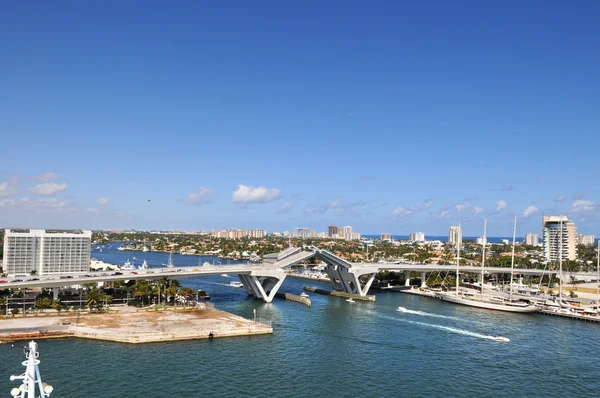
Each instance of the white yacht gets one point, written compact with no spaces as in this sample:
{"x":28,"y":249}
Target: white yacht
{"x":482,"y":300}
{"x":128,"y":266}
{"x":236,"y":284}
{"x":144,"y":265}
{"x":350,"y":300}
{"x":145,"y":249}
{"x":120,"y":248}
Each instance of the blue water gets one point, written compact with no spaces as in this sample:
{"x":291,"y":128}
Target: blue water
{"x":333,"y":348}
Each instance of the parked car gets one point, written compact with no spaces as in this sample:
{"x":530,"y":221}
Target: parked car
{"x":134,"y":273}
{"x":17,"y":280}
{"x":3,"y":281}
{"x":118,"y":273}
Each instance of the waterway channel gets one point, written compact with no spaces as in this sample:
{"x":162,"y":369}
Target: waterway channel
{"x":333,"y":348}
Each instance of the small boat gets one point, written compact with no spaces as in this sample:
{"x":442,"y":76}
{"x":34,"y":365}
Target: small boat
{"x":501,"y":339}
{"x":236,"y":284}
{"x":128,"y":266}
{"x":350,"y":300}
{"x":402,"y":309}
{"x":145,"y":249}
{"x":225,"y":275}
{"x":303,"y":294}
{"x":120,"y":248}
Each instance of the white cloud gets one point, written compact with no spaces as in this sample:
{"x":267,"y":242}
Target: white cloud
{"x":245,"y":194}
{"x":35,"y":204}
{"x":341,"y":206}
{"x":560,"y":198}
{"x":500,"y":205}
{"x":402,"y":212}
{"x":8,"y":188}
{"x":201,"y":196}
{"x":102,"y":201}
{"x":476,"y":211}
{"x":530,"y":211}
{"x":48,"y":188}
{"x":285,"y":208}
{"x":583,"y":206}
{"x":46,"y":177}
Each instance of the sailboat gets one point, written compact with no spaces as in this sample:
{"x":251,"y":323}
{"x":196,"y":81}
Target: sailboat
{"x":483,"y":300}
{"x":170,"y":262}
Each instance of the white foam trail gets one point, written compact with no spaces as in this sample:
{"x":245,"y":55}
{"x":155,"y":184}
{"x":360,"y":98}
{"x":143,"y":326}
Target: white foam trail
{"x":423,"y":313}
{"x":447,"y":328}
{"x":453,"y":330}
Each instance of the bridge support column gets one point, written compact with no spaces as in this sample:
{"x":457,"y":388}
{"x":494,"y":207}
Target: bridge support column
{"x":407,"y":278}
{"x":423,"y":279}
{"x":349,"y":282}
{"x":55,"y":291}
{"x":263,"y":286}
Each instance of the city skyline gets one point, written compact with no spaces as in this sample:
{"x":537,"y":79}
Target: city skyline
{"x":391,"y":119}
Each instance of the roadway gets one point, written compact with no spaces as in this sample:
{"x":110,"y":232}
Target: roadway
{"x":51,"y":281}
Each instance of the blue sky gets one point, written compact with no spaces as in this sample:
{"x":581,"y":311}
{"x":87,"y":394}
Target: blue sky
{"x":388,"y":116}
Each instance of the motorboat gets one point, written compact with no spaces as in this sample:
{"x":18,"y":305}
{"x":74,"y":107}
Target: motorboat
{"x":236,"y":284}
{"x":120,"y":248}
{"x":128,"y":266}
{"x":402,"y":309}
{"x":350,"y":300}
{"x":145,"y":249}
{"x":303,"y":294}
{"x":502,"y":339}
{"x":225,"y":275}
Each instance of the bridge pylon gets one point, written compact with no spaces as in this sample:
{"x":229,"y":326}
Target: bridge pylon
{"x":347,"y":280}
{"x":263,"y":284}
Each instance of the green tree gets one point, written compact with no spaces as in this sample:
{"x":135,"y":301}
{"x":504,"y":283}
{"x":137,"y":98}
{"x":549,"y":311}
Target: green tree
{"x":93,"y":298}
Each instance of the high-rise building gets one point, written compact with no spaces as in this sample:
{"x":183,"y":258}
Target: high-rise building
{"x":417,"y":237}
{"x":257,"y":233}
{"x":531,"y":239}
{"x":332,"y":231}
{"x":354,"y":236}
{"x":303,"y":233}
{"x":46,"y":251}
{"x":558,"y":238}
{"x":346,"y":232}
{"x":585,"y":239}
{"x":455,"y":235}
{"x":386,"y":237}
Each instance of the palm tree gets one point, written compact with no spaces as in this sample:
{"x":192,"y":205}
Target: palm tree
{"x":142,"y":289}
{"x":92,"y":298}
{"x":33,"y":272}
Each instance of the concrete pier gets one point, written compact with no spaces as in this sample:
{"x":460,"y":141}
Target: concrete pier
{"x":338,"y":293}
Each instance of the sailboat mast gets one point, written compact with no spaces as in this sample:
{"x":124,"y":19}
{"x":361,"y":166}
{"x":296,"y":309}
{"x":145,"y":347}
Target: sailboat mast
{"x":560,"y":281}
{"x":598,"y":277}
{"x":483,"y":252}
{"x":512,"y":260}
{"x":457,"y":258}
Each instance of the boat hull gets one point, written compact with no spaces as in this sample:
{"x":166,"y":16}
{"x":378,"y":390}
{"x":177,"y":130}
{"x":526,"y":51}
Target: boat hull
{"x":487,"y":305}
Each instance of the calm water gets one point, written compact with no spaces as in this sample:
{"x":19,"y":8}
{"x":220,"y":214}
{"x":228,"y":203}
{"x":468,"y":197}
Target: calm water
{"x":334,"y":349}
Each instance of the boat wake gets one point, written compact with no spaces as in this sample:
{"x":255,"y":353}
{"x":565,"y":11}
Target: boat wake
{"x":423,"y":313}
{"x":460,"y":331}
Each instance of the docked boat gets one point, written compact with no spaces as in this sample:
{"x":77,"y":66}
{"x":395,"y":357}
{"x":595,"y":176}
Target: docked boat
{"x":236,"y":284}
{"x":144,"y":265}
{"x":486,"y":301}
{"x":145,"y":249}
{"x":120,"y":248}
{"x":303,"y":294}
{"x":128,"y":266}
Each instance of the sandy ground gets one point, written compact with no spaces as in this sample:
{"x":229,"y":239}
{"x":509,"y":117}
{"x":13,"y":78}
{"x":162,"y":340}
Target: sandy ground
{"x":141,"y":326}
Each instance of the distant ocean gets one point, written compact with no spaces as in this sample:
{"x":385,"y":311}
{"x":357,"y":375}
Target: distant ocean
{"x":491,"y":239}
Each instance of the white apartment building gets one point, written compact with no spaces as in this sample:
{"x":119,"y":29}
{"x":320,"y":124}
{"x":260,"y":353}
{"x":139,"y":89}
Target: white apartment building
{"x":455,"y":235}
{"x":417,"y":237}
{"x":531,"y":239}
{"x":345,"y":232}
{"x":558,"y":238}
{"x":46,"y":251}
{"x":585,"y":239}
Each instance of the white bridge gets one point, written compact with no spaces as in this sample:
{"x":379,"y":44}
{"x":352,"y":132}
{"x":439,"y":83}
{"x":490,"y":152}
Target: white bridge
{"x":263,"y":280}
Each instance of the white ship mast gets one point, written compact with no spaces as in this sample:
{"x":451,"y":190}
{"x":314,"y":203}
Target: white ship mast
{"x":458,"y":258}
{"x":560,"y":262}
{"x":31,"y":378}
{"x":483,"y":253}
{"x":512,"y":261}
